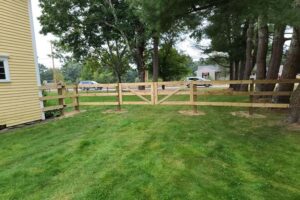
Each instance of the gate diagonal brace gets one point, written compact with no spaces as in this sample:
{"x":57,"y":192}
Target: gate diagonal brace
{"x":167,"y":97}
{"x":143,"y":98}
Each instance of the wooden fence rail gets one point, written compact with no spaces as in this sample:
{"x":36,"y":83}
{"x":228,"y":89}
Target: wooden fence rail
{"x":153,"y":95}
{"x":62,"y":95}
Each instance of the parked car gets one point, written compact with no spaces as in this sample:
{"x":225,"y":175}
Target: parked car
{"x":199,"y":79}
{"x":86,"y":85}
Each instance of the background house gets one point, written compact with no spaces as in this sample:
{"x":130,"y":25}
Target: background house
{"x":212,"y":72}
{"x":19,"y":77}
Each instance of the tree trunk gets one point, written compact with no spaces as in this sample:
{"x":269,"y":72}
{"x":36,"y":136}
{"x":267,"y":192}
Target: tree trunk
{"x":231,"y":71}
{"x":242,"y":69}
{"x":294,"y":116}
{"x":119,"y":78}
{"x":140,"y":62}
{"x":243,"y":57}
{"x":236,"y":74}
{"x":262,"y":50}
{"x":276,"y":57}
{"x":292,"y":65}
{"x":240,"y":73}
{"x":155,"y":58}
{"x":236,"y":69}
{"x":249,"y":55}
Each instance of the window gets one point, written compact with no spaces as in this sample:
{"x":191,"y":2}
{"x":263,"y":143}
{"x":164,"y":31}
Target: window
{"x":193,"y":79}
{"x":4,"y":69}
{"x":205,"y":75}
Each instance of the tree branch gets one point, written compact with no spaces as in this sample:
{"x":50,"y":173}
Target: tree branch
{"x":205,"y":7}
{"x":287,"y":39}
{"x":218,"y":63}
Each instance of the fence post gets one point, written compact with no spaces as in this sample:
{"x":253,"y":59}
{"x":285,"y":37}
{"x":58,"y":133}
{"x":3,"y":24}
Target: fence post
{"x":61,"y":90}
{"x":119,"y":96}
{"x":193,"y":96}
{"x":251,"y":96}
{"x":43,"y":102}
{"x":154,"y":93}
{"x":76,"y":99}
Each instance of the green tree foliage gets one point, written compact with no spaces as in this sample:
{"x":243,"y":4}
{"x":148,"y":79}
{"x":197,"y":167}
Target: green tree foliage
{"x":173,"y":65}
{"x":153,"y":14}
{"x":46,"y":74}
{"x":59,"y":77}
{"x":116,"y":59}
{"x":193,"y":67}
{"x":94,"y":70}
{"x":227,"y":34}
{"x":131,"y":76}
{"x":86,"y":28}
{"x":71,"y":71}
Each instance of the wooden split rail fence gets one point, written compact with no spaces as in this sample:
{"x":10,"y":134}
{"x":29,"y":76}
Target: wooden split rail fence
{"x":62,"y":93}
{"x":152,"y":94}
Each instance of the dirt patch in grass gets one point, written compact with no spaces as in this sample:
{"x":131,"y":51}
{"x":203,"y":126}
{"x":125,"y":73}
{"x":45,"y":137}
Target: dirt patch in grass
{"x":294,"y":127}
{"x":246,"y":114}
{"x":71,"y":114}
{"x":115,"y":111}
{"x":191,"y":113}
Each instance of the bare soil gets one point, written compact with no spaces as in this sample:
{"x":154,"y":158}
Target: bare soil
{"x":115,"y":111}
{"x":246,"y":114}
{"x":191,"y":113}
{"x":294,"y":127}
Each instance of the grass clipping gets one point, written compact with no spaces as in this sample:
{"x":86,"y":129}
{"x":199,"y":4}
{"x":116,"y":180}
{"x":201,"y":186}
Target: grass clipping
{"x":246,"y":114}
{"x":191,"y":113}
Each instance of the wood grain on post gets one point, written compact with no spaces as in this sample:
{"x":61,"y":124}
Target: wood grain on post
{"x":118,"y":97}
{"x":251,"y":97}
{"x":61,"y":91}
{"x":154,"y":93}
{"x":76,"y":98}
{"x":193,"y":96}
{"x":120,"y":93}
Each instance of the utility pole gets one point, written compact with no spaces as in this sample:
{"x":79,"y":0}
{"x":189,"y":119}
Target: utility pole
{"x":53,"y":64}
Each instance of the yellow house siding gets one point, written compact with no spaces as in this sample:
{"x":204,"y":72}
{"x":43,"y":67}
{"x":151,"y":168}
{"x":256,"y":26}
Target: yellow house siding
{"x":18,"y":98}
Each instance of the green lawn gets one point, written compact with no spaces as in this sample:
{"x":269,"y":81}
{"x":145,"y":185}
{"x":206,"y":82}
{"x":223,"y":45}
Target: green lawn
{"x":152,"y":152}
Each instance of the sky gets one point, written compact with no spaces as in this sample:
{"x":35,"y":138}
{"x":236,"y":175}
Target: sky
{"x":44,"y":47}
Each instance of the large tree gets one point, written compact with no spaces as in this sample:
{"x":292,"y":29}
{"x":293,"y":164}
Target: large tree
{"x":162,"y":16}
{"x":173,"y":65}
{"x":276,"y":55}
{"x":294,"y":116}
{"x":291,"y":66}
{"x":228,"y":35}
{"x":262,"y":50}
{"x":85,"y":28}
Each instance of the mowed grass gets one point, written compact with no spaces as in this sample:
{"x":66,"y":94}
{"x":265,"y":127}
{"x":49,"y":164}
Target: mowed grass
{"x":152,"y":152}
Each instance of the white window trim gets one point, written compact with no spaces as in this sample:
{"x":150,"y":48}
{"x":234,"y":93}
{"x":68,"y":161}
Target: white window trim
{"x":6,"y":69}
